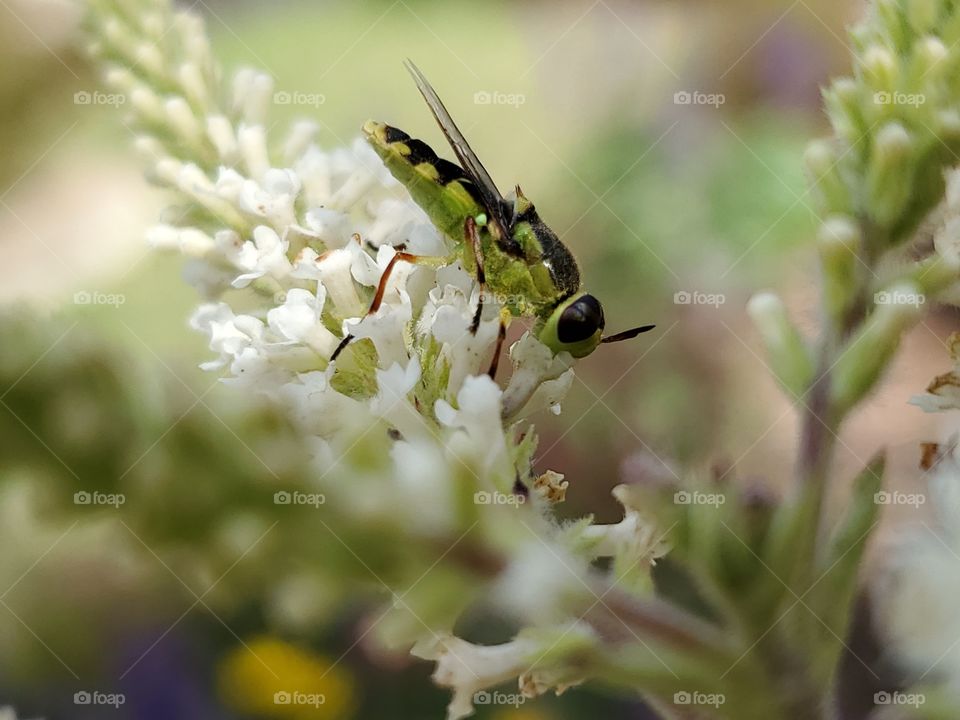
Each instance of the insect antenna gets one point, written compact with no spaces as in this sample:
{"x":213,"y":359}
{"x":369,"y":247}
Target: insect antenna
{"x":628,"y":334}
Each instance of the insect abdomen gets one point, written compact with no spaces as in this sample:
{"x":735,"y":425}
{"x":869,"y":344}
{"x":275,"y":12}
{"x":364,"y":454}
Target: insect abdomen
{"x":438,"y":186}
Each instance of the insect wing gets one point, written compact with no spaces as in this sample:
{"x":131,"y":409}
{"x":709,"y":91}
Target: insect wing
{"x":498,"y":208}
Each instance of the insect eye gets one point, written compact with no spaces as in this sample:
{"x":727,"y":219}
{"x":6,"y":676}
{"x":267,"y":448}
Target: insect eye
{"x":580,"y":320}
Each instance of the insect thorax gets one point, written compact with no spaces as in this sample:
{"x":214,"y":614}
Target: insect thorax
{"x":562,"y":271}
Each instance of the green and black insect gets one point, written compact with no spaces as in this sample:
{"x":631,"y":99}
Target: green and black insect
{"x":503,"y":242}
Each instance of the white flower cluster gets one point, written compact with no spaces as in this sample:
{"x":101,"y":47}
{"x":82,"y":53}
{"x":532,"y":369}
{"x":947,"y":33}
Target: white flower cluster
{"x":919,"y":580}
{"x":309,"y":240}
{"x":315,"y":278}
{"x":322,"y":233}
{"x":288,"y":249}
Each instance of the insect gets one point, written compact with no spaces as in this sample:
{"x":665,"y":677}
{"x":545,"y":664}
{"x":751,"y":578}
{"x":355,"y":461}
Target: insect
{"x":516,"y":258}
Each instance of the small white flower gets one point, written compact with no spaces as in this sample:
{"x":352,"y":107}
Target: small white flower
{"x":467,"y":668}
{"x":541,"y":580}
{"x":333,"y":227}
{"x":190,"y":241}
{"x":423,"y":481}
{"x":470,"y":669}
{"x":299,"y":320}
{"x":335,"y":271}
{"x":322,"y":412}
{"x":541,"y":379}
{"x":448,"y":315}
{"x":391,"y":402}
{"x":230,"y":184}
{"x":265,"y":254}
{"x":387,"y":327}
{"x":636,"y":538}
{"x":217,"y":321}
{"x":274,"y":200}
{"x":478,"y":436}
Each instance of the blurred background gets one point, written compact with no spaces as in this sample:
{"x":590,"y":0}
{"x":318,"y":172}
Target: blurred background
{"x":663,"y":142}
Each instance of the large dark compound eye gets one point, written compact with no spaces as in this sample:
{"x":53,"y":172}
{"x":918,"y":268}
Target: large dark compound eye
{"x":580,"y":320}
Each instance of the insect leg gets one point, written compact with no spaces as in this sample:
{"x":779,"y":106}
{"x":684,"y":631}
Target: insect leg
{"x":399,"y":247}
{"x":473,"y":240}
{"x":382,"y":287}
{"x":501,"y":336}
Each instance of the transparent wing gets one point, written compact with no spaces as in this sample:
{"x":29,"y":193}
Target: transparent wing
{"x":499,"y":209}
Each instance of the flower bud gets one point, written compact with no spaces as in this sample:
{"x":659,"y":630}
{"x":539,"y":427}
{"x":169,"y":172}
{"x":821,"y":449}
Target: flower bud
{"x":146,"y":103}
{"x":120,"y":79}
{"x":787,"y":353}
{"x":930,"y":57}
{"x":822,"y":161}
{"x":182,"y":120}
{"x":253,"y":147}
{"x":947,"y":125}
{"x":193,"y":36}
{"x":301,"y":134}
{"x":148,"y":57}
{"x":150,"y":148}
{"x":116,"y":33}
{"x":890,"y":173}
{"x":867,"y":353}
{"x":839,"y":242}
{"x":168,"y":170}
{"x":252,"y":94}
{"x":880,"y":68}
{"x":845,"y":107}
{"x":164,"y":237}
{"x":194,"y":86}
{"x":220,"y":132}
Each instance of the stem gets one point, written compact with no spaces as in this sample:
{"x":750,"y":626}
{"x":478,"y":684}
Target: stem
{"x":817,"y":430}
{"x":821,"y":420}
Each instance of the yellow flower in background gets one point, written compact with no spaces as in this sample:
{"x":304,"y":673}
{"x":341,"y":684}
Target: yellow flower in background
{"x":272,"y":678}
{"x":522,"y":714}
